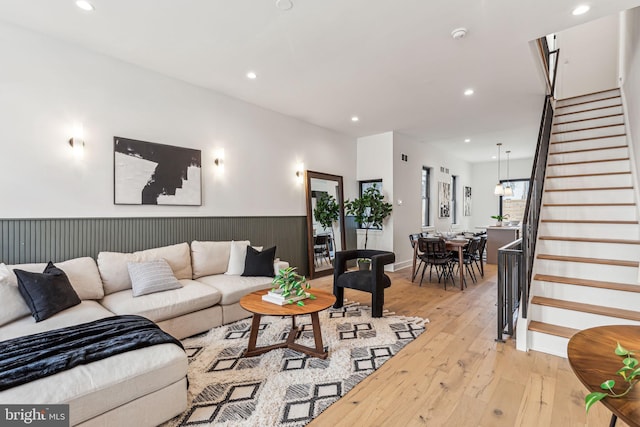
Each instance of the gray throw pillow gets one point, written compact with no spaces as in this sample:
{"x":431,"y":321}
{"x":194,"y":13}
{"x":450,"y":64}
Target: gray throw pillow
{"x":151,"y":276}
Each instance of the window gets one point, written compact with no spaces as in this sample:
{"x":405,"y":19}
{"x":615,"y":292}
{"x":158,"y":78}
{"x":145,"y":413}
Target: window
{"x":454,"y":199}
{"x":514,"y":205}
{"x":426,"y":196}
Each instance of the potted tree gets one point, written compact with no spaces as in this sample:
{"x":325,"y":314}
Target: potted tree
{"x":369,"y":211}
{"x":327,"y":212}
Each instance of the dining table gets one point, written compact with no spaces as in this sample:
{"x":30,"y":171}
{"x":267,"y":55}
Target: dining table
{"x":452,"y":244}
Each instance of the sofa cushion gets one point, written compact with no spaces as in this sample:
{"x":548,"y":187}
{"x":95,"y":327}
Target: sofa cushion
{"x":115,"y":274}
{"x":237,"y":256}
{"x":192,"y":296}
{"x":259,"y":263}
{"x":12,"y":305}
{"x":232,"y":288}
{"x":98,"y":387}
{"x":82,"y":273}
{"x":209,"y":258}
{"x":86,"y":311}
{"x":46,"y":293}
{"x":151,"y":276}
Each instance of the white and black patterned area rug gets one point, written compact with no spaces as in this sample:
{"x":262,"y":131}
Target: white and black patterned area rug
{"x":284,"y":387}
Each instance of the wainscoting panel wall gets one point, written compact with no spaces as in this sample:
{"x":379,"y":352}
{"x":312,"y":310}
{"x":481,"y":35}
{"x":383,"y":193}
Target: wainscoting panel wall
{"x":42,"y":240}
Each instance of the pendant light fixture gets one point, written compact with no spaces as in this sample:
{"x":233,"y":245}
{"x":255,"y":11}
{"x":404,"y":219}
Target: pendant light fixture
{"x":499,"y":190}
{"x":508,"y":191}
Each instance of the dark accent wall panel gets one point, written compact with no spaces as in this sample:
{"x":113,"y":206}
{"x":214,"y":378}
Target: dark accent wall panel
{"x":42,"y":240}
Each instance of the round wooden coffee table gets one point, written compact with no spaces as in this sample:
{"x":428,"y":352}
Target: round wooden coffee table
{"x":253,"y":303}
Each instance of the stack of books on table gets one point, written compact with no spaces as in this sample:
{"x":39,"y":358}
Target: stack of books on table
{"x":275,"y":297}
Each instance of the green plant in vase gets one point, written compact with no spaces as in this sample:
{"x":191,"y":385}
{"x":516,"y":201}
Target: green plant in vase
{"x":630,"y":373}
{"x":327,"y":212}
{"x":291,"y":284}
{"x":499,"y":219}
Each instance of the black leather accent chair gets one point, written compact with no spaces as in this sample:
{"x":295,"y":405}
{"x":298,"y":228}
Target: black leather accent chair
{"x":373,"y":281}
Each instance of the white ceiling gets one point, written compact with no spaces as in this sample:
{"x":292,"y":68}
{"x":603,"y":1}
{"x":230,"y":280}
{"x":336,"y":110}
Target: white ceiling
{"x":393,"y":63}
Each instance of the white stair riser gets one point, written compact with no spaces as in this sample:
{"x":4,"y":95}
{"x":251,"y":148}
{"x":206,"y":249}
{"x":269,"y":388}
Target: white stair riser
{"x":614,"y":141}
{"x":591,"y":97}
{"x":588,"y":106}
{"x":602,"y":121}
{"x":550,"y":344}
{"x":588,"y":133}
{"x":588,"y":114}
{"x":592,"y":196}
{"x":598,"y":167}
{"x":619,"y":251}
{"x":573,"y":319}
{"x":589,"y":181}
{"x":587,"y":156}
{"x":602,"y":231}
{"x":583,"y":270}
{"x":587,"y":295}
{"x":614,"y":213}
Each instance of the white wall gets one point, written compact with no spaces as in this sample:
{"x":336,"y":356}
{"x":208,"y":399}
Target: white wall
{"x":484,"y":177}
{"x":588,"y":57}
{"x":375,"y":155}
{"x":47,"y":86}
{"x":631,"y":78}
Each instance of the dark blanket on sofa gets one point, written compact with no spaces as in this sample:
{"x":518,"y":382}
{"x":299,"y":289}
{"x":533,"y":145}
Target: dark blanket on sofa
{"x":31,"y":357}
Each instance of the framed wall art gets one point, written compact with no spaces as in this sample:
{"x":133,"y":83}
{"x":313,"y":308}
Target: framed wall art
{"x":147,"y":173}
{"x":467,"y":201}
{"x":444,"y":199}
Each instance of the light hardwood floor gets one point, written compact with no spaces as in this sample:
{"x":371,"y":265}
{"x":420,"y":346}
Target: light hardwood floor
{"x":455,"y":373}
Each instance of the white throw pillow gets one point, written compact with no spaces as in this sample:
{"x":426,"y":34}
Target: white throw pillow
{"x":151,"y":276}
{"x":237,"y":256}
{"x":12,"y":306}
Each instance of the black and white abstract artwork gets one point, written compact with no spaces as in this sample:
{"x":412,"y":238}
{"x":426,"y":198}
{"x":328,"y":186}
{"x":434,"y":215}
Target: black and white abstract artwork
{"x":146,"y":173}
{"x":467,"y":201}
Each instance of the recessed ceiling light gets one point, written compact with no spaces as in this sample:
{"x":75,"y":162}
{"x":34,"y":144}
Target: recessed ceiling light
{"x":252,"y":75}
{"x":493,"y":157}
{"x":581,"y":10}
{"x":468,"y":92}
{"x":355,"y":119}
{"x":284,"y":4}
{"x":85,"y":5}
{"x":467,"y":140}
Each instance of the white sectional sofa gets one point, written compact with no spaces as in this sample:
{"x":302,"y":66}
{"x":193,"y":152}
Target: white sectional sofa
{"x":147,"y":386}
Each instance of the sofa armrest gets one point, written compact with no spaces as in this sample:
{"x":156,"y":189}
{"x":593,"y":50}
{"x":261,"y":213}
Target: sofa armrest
{"x":279,"y":265}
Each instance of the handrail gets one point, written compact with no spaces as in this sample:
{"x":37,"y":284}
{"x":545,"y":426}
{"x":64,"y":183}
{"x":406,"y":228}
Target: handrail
{"x":515,"y":260}
{"x":510,"y":276}
{"x":545,"y":54}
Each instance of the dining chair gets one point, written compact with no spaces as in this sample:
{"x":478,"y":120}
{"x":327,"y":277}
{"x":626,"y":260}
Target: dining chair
{"x":479,"y":257}
{"x":435,"y":254}
{"x":413,"y":239}
{"x":321,"y":249}
{"x":469,"y":257}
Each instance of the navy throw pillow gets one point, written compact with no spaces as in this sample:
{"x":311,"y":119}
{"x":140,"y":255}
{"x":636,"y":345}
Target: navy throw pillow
{"x":46,"y":293}
{"x":259,"y":263}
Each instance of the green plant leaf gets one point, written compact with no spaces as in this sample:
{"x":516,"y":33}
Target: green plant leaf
{"x":621,"y":351}
{"x":630,"y":362}
{"x":301,"y":304}
{"x":311,"y":296}
{"x":592,"y":398}
{"x":607,"y":385}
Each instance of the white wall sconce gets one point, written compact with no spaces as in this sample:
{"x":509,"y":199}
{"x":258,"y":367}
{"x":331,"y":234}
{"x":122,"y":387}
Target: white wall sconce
{"x":300,"y":173}
{"x":77,"y":141}
{"x":219,"y":161}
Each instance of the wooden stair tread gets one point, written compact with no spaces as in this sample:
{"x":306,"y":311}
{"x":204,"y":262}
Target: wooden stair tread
{"x":590,"y":128}
{"x":590,"y":240}
{"x":589,"y":139}
{"x":590,"y":118}
{"x":588,"y":94}
{"x":588,"y":102}
{"x":587,"y":204}
{"x":587,"y":308}
{"x":590,"y":221}
{"x":579,"y":175}
{"x":615,"y":147}
{"x":590,"y":283}
{"x":547,"y":328}
{"x":615,"y":262}
{"x":588,"y":110}
{"x":589,"y":189}
{"x":589,"y":161}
